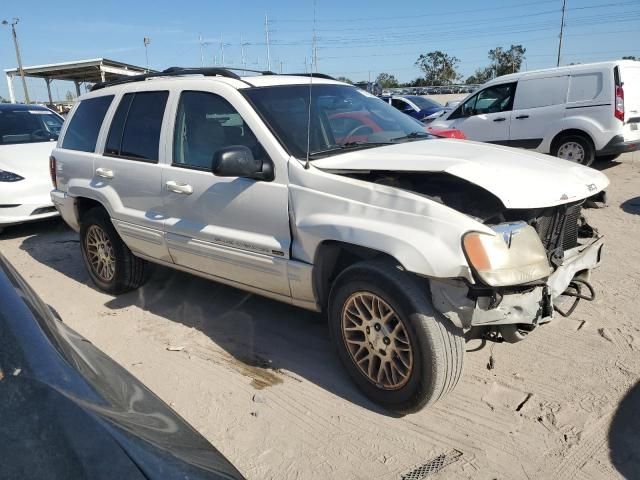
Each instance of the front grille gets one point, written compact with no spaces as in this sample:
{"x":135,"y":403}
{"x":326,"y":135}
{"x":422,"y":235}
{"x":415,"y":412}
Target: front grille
{"x":558,"y":227}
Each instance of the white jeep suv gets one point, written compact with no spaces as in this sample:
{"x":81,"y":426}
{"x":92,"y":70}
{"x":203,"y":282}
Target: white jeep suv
{"x":315,"y":193}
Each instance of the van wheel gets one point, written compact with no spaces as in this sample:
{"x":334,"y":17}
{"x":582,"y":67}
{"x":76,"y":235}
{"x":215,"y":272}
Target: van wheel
{"x":575,"y":148}
{"x":399,"y":351}
{"x":110,"y":263}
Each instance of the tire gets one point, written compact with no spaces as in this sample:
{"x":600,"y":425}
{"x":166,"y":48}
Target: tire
{"x":126,"y":272}
{"x":576,"y":148}
{"x":434,"y":350}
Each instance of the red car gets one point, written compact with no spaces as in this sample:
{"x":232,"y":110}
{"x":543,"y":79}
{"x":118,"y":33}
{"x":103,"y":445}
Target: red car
{"x":363,"y":126}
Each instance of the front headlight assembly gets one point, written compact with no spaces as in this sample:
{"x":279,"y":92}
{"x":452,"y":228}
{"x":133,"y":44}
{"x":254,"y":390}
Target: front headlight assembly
{"x":513,"y":256}
{"x":9,"y":176}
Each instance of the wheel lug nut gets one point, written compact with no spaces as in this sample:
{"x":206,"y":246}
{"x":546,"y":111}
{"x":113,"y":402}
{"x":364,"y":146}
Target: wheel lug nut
{"x":386,"y":340}
{"x":377,"y":327}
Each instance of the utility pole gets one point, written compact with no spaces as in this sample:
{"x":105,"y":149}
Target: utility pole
{"x":201,"y":52}
{"x":266,"y":34}
{"x":305,"y":64}
{"x":564,"y":4}
{"x":244,"y":61}
{"x":18,"y":57}
{"x":314,"y":47}
{"x":221,"y":50}
{"x":146,"y":42}
{"x":280,"y":66}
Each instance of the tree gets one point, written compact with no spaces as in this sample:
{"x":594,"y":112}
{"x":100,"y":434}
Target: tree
{"x":386,"y":80}
{"x":345,"y":80}
{"x":481,"y":75}
{"x":438,"y":67}
{"x":3,"y":100}
{"x":630,"y":57}
{"x":506,"y":61}
{"x":69,"y":96}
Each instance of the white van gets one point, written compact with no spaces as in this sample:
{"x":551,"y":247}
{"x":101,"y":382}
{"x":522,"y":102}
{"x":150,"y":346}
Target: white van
{"x":578,"y":112}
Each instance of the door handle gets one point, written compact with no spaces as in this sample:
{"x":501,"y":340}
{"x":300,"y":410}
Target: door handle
{"x":104,"y":172}
{"x":179,"y":187}
{"x":520,"y":117}
{"x":499,"y":119}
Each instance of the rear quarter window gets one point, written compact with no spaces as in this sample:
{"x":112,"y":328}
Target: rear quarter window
{"x":585,"y":87}
{"x":82,"y":132}
{"x":541,"y":92}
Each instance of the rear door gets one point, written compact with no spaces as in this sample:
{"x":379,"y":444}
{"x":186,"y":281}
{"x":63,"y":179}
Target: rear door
{"x":538,"y":108}
{"x":630,"y":78}
{"x":127,"y":175}
{"x":486,"y":116}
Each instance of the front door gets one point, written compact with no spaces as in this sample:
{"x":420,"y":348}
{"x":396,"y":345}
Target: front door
{"x":236,"y":228}
{"x":486,"y":117}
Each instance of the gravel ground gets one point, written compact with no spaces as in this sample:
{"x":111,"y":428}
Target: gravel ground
{"x":261,"y":381}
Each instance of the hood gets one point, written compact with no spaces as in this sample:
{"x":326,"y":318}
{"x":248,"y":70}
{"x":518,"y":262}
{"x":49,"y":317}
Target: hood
{"x":29,"y":160}
{"x":519,"y":178}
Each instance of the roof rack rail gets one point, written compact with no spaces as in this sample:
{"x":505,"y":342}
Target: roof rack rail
{"x":176,"y":72}
{"x":316,"y":75}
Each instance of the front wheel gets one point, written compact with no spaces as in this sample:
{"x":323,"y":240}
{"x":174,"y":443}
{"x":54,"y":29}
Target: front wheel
{"x":399,"y":351}
{"x":110,"y":263}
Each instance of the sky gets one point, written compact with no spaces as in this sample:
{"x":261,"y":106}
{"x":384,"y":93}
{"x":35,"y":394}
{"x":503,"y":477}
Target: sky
{"x":354,"y":38}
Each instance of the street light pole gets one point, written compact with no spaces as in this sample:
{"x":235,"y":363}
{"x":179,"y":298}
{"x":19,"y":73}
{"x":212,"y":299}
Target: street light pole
{"x":147,"y":41}
{"x":18,"y":57}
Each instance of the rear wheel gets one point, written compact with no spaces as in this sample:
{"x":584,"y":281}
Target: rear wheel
{"x":575,"y":148}
{"x":399,"y":351}
{"x":110,"y":263}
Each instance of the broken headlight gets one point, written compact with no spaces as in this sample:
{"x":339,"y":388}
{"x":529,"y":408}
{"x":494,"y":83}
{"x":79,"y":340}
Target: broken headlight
{"x":513,"y":256}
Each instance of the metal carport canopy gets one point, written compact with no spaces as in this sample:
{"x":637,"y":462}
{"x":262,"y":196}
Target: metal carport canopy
{"x":93,"y":70}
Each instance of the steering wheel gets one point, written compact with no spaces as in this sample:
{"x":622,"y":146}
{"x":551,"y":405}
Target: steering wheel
{"x":356,"y":129}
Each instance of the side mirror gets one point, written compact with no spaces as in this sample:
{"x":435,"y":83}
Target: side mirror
{"x":238,"y":161}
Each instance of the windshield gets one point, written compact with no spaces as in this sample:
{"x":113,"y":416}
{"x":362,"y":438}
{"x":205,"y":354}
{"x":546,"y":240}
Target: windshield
{"x":28,"y":126}
{"x":342,"y":117}
{"x":423,"y":102}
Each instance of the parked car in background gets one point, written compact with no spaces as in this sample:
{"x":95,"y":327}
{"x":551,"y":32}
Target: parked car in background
{"x":67,"y":411}
{"x":578,"y":112}
{"x":27,"y":136}
{"x":414,"y":105}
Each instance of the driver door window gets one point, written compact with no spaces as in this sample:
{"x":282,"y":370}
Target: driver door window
{"x":400,"y":104}
{"x":494,"y":99}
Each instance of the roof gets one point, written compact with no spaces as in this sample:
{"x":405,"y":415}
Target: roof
{"x":274,"y":80}
{"x":512,"y":77}
{"x":90,"y":70}
{"x":20,"y":106}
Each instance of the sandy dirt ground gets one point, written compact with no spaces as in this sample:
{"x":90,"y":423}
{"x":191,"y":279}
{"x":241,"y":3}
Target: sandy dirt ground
{"x":261,"y":380}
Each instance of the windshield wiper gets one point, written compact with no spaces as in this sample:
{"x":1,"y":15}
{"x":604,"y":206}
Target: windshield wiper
{"x":411,"y":136}
{"x":348,"y":146}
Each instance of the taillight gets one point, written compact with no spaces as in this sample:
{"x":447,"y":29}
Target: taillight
{"x":52,"y":171}
{"x":619,"y":105}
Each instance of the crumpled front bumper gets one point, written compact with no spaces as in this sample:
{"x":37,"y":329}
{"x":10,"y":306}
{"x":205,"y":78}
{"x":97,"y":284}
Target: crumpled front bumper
{"x":457,"y":301}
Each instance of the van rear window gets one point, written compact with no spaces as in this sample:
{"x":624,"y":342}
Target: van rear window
{"x":82,"y":132}
{"x":585,"y":87}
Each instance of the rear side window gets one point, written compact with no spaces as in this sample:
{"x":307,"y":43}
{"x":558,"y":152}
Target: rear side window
{"x":541,"y":92}
{"x":136,"y":125}
{"x":82,"y":132}
{"x":584,"y":87}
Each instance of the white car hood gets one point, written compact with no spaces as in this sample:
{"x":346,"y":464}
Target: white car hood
{"x":29,"y":160}
{"x":519,"y":178}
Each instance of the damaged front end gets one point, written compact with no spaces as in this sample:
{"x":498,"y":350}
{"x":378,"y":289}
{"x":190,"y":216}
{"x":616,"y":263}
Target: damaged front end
{"x":572,"y":248}
{"x":535,"y":267}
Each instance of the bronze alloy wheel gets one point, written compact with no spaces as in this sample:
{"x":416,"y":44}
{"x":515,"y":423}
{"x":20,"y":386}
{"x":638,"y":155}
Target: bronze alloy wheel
{"x":100,"y":253}
{"x":377,"y":340}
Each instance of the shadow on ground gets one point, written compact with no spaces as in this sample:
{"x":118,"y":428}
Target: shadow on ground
{"x":624,"y":435}
{"x":631,"y":206}
{"x":605,"y":164}
{"x":259,"y":333}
